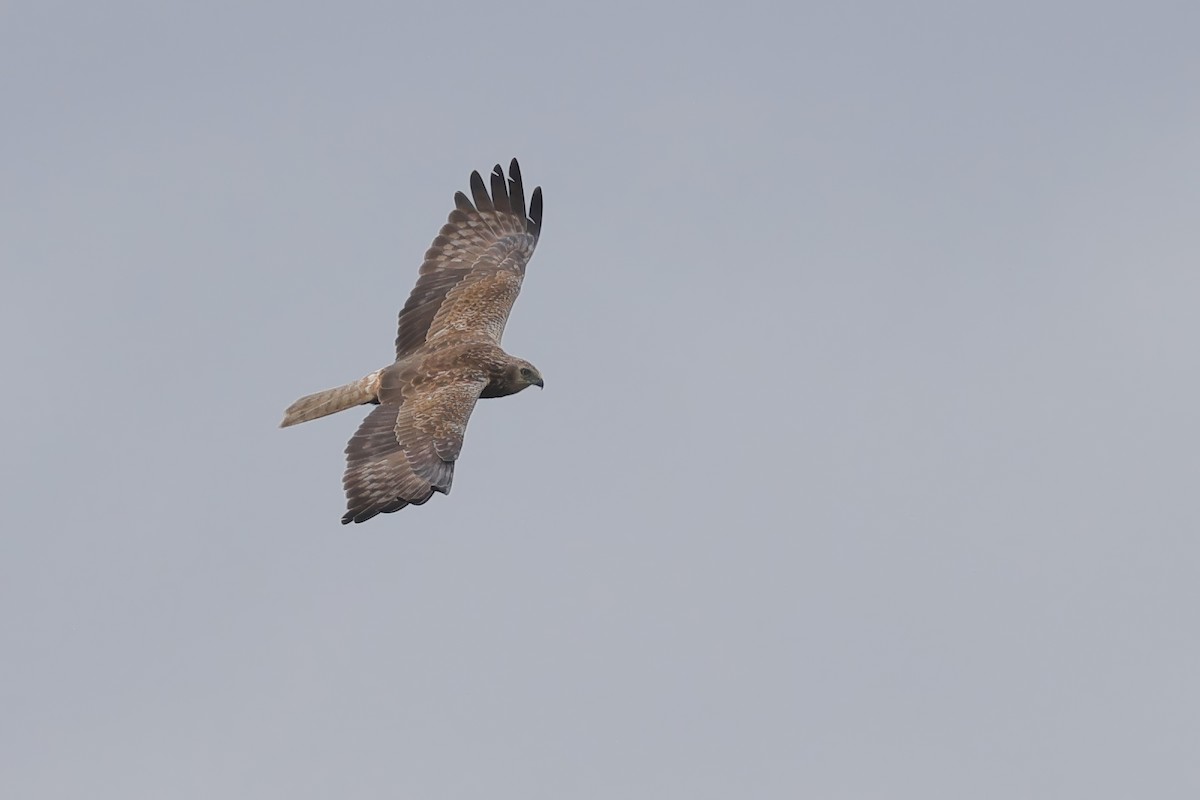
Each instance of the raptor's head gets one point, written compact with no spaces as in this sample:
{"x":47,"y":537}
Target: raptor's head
{"x":523,"y":374}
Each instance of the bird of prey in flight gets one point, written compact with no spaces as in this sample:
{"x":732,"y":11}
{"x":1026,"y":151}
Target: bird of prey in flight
{"x":447,"y":353}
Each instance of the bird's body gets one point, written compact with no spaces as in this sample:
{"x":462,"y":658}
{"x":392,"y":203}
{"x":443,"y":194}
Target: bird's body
{"x":448,"y":354}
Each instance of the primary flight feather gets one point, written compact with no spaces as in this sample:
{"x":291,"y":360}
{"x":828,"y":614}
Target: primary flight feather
{"x":448,"y":353}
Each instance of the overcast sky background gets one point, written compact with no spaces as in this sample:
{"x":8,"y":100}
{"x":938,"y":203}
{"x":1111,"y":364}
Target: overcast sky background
{"x":866,"y":465}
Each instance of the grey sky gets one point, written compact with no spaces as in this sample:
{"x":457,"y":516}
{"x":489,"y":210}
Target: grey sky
{"x":866,"y":467}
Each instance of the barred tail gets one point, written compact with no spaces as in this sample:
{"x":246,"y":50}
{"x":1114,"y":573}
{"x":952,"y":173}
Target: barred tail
{"x":330,"y":401}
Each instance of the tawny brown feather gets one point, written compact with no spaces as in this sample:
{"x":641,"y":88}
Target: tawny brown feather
{"x":330,"y":401}
{"x":448,"y":352}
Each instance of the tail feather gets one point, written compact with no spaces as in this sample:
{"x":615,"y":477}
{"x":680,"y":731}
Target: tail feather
{"x":330,"y":401}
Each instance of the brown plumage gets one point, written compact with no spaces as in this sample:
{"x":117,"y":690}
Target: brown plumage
{"x":447,"y":353}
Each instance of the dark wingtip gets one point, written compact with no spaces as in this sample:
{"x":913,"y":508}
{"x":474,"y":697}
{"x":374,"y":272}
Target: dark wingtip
{"x":535,"y":212}
{"x":516,"y":190}
{"x":462,"y":202}
{"x":500,"y":191}
{"x":480,"y":193}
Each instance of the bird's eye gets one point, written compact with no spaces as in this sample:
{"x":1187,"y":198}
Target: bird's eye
{"x":525,"y":373}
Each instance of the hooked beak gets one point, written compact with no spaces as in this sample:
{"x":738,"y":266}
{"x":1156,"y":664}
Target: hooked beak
{"x":539,"y":383}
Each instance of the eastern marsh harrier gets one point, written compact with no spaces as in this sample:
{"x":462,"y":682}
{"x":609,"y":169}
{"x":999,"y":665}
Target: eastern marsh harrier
{"x":447,"y":353}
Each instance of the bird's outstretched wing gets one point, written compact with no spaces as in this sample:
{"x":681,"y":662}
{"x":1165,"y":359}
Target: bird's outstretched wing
{"x":405,"y":450}
{"x":472,"y":272}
